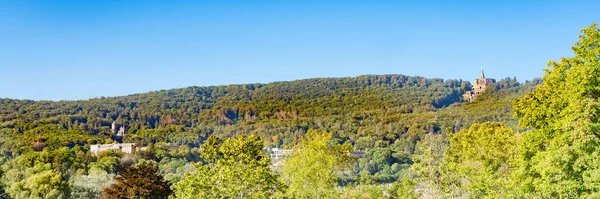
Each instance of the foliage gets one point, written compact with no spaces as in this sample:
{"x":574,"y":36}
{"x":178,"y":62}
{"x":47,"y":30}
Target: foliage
{"x":366,"y":192}
{"x":480,"y":159}
{"x":559,"y":157}
{"x":141,"y":181}
{"x":3,"y":193}
{"x":430,"y":168}
{"x":404,"y":188}
{"x":90,"y":186}
{"x":234,"y":168}
{"x":40,"y":182}
{"x":311,"y":170}
{"x":382,"y":116}
{"x":384,"y":163}
{"x":476,"y":162}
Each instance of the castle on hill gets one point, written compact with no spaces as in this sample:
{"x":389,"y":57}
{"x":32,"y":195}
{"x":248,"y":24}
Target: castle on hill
{"x":479,"y":86}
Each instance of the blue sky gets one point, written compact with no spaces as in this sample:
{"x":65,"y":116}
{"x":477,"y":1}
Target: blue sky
{"x":55,"y":50}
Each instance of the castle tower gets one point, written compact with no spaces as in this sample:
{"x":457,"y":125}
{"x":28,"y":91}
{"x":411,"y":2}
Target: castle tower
{"x":114,"y":127}
{"x":479,"y":86}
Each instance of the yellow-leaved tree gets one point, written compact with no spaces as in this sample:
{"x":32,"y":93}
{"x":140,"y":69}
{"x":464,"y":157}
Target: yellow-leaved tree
{"x":560,"y":156}
{"x":313,"y":168}
{"x":234,"y":167}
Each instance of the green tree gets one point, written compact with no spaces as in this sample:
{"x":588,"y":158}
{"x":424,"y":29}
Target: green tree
{"x":139,"y":182}
{"x":3,"y":193}
{"x":366,"y":191}
{"x":480,"y":159}
{"x":404,"y":188}
{"x":41,"y":181}
{"x":430,"y":168}
{"x":91,"y":186}
{"x":236,"y":167}
{"x":559,"y":157}
{"x":312,"y":170}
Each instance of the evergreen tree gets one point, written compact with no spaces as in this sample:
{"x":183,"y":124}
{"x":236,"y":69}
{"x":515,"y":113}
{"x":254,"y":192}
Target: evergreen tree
{"x":139,"y":182}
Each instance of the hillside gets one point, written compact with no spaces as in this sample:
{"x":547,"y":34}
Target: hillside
{"x":381,"y":115}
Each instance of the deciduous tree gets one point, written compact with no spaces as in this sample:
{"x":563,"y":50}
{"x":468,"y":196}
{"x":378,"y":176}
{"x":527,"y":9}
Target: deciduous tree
{"x":236,"y":167}
{"x":312,"y":170}
{"x":41,"y":181}
{"x":91,"y":186}
{"x":559,"y":158}
{"x":480,"y":159}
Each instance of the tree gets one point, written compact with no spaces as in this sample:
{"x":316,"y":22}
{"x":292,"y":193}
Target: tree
{"x":312,"y":170}
{"x":91,"y":186}
{"x":431,"y":172}
{"x":3,"y":193}
{"x":404,"y":188}
{"x":366,"y":191}
{"x":480,"y":158}
{"x":236,"y":167}
{"x":559,"y":157}
{"x":141,"y":181}
{"x":41,"y":181}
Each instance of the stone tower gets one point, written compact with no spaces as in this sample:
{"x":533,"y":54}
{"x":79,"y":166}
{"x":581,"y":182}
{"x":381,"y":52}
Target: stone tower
{"x":118,"y":129}
{"x":114,"y":127}
{"x":479,"y":86}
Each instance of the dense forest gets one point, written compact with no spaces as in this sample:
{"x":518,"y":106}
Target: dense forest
{"x":414,"y":136}
{"x":382,"y":116}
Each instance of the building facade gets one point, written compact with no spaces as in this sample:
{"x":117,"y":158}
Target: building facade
{"x":125,"y":148}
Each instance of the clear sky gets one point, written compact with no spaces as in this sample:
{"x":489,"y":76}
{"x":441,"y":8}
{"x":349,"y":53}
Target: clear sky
{"x":54,"y":50}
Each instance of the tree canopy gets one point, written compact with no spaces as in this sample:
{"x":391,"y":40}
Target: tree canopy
{"x":559,"y":156}
{"x":141,"y":181}
{"x":312,"y":169}
{"x":234,"y":168}
{"x":481,"y":159}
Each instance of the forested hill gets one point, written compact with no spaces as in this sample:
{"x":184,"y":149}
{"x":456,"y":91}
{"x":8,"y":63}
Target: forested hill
{"x":384,"y":116}
{"x":303,"y":98}
{"x":381,"y":104}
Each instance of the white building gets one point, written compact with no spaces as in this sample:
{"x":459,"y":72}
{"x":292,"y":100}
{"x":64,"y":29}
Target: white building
{"x":277,"y":153}
{"x":125,"y":148}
